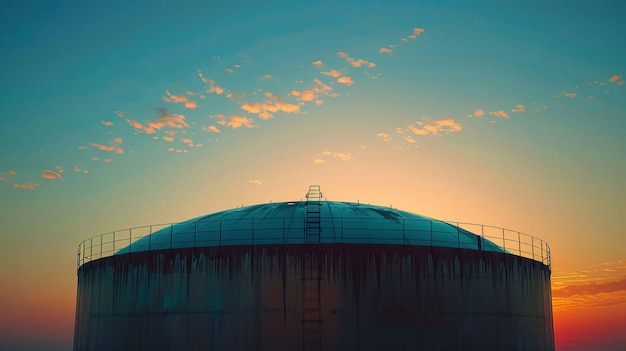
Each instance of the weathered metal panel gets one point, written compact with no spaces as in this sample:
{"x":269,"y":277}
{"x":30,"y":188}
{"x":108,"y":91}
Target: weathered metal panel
{"x":371,"y":297}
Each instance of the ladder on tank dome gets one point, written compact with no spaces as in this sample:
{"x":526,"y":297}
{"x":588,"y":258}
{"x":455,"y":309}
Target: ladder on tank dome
{"x":311,"y":306}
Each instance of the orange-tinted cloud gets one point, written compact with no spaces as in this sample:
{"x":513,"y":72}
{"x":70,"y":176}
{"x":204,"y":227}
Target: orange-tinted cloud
{"x":168,"y":138}
{"x":12,"y":172}
{"x":435,"y":127}
{"x":265,"y":77}
{"x":519,"y":108}
{"x":386,"y":137}
{"x":318,"y":64}
{"x":107,"y":123}
{"x":29,"y":186}
{"x":319,"y":160}
{"x":117,"y":140}
{"x":614,"y":78}
{"x":255,"y":182}
{"x":190,"y":104}
{"x":340,"y":155}
{"x":500,"y":113}
{"x":620,"y":83}
{"x":213,"y":129}
{"x":108,"y":160}
{"x":119,"y":113}
{"x":345,"y":80}
{"x":251,"y":107}
{"x":479,"y":113}
{"x":233,"y":95}
{"x":117,"y":150}
{"x":235,"y":121}
{"x":319,"y":102}
{"x":569,"y":95}
{"x":48,"y":174}
{"x":333,"y":73}
{"x":600,"y":285}
{"x":385,"y":51}
{"x":3,"y":179}
{"x":360,"y":62}
{"x":409,"y":139}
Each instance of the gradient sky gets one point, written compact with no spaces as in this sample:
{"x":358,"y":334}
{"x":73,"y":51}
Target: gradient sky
{"x":126,"y":113}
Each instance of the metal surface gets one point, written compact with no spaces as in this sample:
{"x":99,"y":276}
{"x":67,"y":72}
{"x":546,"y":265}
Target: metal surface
{"x":372,"y":297}
{"x":340,"y":222}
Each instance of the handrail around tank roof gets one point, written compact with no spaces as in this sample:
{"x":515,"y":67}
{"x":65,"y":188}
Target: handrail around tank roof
{"x":510,"y":241}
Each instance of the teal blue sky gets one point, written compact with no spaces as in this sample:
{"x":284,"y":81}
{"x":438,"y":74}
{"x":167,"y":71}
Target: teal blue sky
{"x":125,"y":113}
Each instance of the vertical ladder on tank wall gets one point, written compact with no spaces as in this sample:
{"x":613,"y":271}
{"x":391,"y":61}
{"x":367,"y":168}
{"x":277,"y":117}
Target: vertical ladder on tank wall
{"x":312,"y":318}
{"x":312,"y":223}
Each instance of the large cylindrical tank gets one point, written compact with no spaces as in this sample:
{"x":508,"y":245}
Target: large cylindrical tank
{"x":314,"y":275}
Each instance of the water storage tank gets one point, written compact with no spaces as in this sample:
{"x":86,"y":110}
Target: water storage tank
{"x":314,"y":275}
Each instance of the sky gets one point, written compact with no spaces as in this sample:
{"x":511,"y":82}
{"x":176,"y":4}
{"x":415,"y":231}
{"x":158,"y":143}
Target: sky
{"x":120,"y":114}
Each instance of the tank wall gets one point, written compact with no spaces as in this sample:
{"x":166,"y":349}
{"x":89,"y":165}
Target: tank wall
{"x":372,"y":297}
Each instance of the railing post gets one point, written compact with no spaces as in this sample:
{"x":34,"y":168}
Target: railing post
{"x":150,"y":239}
{"x":503,"y":241}
{"x":113,"y":241}
{"x":403,"y":233}
{"x":252,"y":231}
{"x":195,"y":230}
{"x":171,"y":234}
{"x":220,"y":233}
{"x":519,"y":244}
{"x":101,"y":236}
{"x":532,"y":244}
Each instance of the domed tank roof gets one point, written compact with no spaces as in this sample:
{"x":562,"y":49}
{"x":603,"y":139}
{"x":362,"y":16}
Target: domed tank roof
{"x":287,"y":223}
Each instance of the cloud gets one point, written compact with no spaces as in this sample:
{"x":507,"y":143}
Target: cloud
{"x":213,"y":129}
{"x":360,"y":62}
{"x":333,"y":73}
{"x":12,"y":172}
{"x":190,"y":104}
{"x":319,"y":160}
{"x":3,"y":179}
{"x":119,"y":113}
{"x":305,"y":95}
{"x":340,"y":155}
{"x":418,"y":31}
{"x":117,"y":150}
{"x":117,"y":140}
{"x":318,"y":64}
{"x":345,"y":80}
{"x":435,"y":127}
{"x":386,"y":137}
{"x":108,"y":160}
{"x":356,"y":63}
{"x":519,"y":108}
{"x":235,"y":121}
{"x":385,"y":51}
{"x":620,"y":83}
{"x":168,"y":138}
{"x":590,"y":289}
{"x":614,"y":78}
{"x":48,"y":174}
{"x":409,"y":139}
{"x":479,"y":113}
{"x":255,"y":182}
{"x":319,"y":102}
{"x":569,"y":95}
{"x":29,"y":185}
{"x":107,"y":123}
{"x":233,"y":95}
{"x":265,"y":77}
{"x":251,"y":107}
{"x":500,"y":113}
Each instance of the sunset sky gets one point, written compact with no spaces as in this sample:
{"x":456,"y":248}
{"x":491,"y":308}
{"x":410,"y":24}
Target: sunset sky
{"x":125,"y":113}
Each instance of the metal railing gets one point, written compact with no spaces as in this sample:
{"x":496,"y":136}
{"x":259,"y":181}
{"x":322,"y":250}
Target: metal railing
{"x":257,"y":231}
